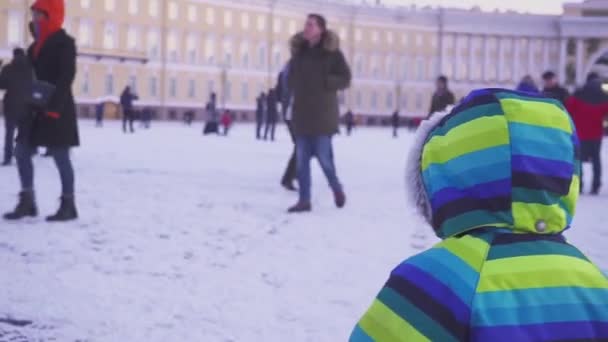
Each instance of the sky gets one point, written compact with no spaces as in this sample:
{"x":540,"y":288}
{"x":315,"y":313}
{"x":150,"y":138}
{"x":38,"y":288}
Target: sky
{"x":531,"y":6}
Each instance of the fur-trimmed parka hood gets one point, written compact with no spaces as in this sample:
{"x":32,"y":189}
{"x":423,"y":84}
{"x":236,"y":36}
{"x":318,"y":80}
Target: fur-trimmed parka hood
{"x":330,"y":42}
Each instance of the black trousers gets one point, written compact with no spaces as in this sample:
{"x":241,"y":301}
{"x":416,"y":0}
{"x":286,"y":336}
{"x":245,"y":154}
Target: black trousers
{"x":591,"y":152}
{"x":290,"y":174}
{"x":9,"y":139}
{"x":128,"y":117}
{"x":270,"y":129}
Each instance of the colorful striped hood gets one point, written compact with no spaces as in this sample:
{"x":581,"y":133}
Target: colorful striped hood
{"x":498,"y":178}
{"x":501,"y":159}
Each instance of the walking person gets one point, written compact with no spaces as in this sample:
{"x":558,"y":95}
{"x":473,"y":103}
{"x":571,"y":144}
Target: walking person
{"x":16,"y":79}
{"x":318,"y":70}
{"x":285,"y":98}
{"x":553,"y":89}
{"x":212,"y":124}
{"x":527,"y":85}
{"x":226,"y":122}
{"x":260,"y":115}
{"x":272,"y":115}
{"x":99,"y":108}
{"x":349,"y":120}
{"x":128,"y":114}
{"x":443,"y":97}
{"x":589,"y":107}
{"x":396,"y":122}
{"x":53,"y":56}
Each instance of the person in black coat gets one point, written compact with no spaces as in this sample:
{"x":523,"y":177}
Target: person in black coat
{"x":53,"y":56}
{"x":349,"y":120}
{"x":552,"y":88}
{"x":272,"y":115}
{"x":128,"y":114}
{"x":260,"y":114}
{"x":16,"y":79}
{"x":396,"y":122}
{"x":443,"y":97}
{"x":283,"y":93}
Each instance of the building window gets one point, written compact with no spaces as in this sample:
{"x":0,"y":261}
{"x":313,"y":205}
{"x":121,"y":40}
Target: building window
{"x":227,"y":52}
{"x":406,"y":66}
{"x":404,"y":101}
{"x":227,"y":19}
{"x":244,"y":55}
{"x":192,"y":89}
{"x":261,"y":22}
{"x":262,"y":56}
{"x":210,"y":16}
{"x":15,"y":28}
{"x":210,"y":87}
{"x":173,"y":10}
{"x":420,"y":68}
{"x":153,"y":47}
{"x":84,"y":33}
{"x":227,"y":91}
{"x":389,"y":100}
{"x":374,"y":66}
{"x":292,"y":26}
{"x":374,"y":35}
{"x":419,"y":40}
{"x":277,"y":59}
{"x":245,"y":92}
{"x":153,"y":8}
{"x":133,"y":83}
{"x":374,"y":100}
{"x":390,"y":37}
{"x":172,"y":47}
{"x":109,"y":36}
{"x":132,"y":38}
{"x":85,"y":3}
{"x":173,"y":87}
{"x":110,"y":5}
{"x":85,"y":87}
{"x":210,"y":50}
{"x":358,"y":35}
{"x":358,"y":99}
{"x":359,"y":65}
{"x":192,"y":13}
{"x":191,"y":48}
{"x":419,"y":103}
{"x":109,"y":84}
{"x":153,"y":86}
{"x":277,"y":25}
{"x":133,"y":7}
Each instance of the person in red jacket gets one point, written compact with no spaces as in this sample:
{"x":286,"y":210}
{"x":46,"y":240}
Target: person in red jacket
{"x":589,"y":107}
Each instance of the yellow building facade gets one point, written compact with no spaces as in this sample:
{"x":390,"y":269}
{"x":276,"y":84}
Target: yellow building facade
{"x":175,"y":52}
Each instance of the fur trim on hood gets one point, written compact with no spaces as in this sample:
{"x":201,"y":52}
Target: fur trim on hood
{"x":330,"y":42}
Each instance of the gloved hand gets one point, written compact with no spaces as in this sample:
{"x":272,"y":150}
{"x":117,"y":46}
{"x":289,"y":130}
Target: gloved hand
{"x":53,"y":115}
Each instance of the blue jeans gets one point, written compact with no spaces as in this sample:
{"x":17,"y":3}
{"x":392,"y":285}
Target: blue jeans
{"x":308,"y":147}
{"x":25,"y":166}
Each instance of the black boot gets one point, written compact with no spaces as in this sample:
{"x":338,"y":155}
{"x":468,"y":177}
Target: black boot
{"x":25,"y":208}
{"x":67,"y":210}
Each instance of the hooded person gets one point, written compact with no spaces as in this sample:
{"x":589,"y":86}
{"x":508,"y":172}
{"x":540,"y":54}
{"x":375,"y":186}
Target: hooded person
{"x":443,"y":97}
{"x":527,"y":85}
{"x":53,"y":57}
{"x":498,"y":180}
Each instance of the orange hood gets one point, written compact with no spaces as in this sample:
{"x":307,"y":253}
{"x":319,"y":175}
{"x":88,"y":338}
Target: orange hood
{"x":55,"y":11}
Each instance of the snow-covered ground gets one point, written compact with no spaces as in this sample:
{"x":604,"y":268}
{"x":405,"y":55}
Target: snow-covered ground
{"x":185,"y":238}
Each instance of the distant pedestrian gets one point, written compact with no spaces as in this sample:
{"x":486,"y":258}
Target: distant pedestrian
{"x":272,"y":115}
{"x":349,"y":120}
{"x":443,"y":97}
{"x":527,"y":85}
{"x":212,"y":124}
{"x":99,"y":109}
{"x":53,"y":56}
{"x":318,"y":70}
{"x":128,"y":114}
{"x":589,"y":108}
{"x":226,"y":121}
{"x":16,"y":79}
{"x":146,"y":117}
{"x":396,"y":123}
{"x":189,"y":117}
{"x":260,"y":114}
{"x":553,"y":89}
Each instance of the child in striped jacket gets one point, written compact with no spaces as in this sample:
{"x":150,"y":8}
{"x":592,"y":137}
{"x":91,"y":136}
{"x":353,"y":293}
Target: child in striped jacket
{"x":498,"y":180}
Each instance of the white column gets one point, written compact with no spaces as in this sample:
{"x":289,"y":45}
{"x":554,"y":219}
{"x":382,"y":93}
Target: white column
{"x":546,"y":50}
{"x":563,"y":57}
{"x":471,"y":64}
{"x":486,"y":58}
{"x":516,"y":58}
{"x":500,"y":66}
{"x":580,"y":77}
{"x":531,"y":53}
